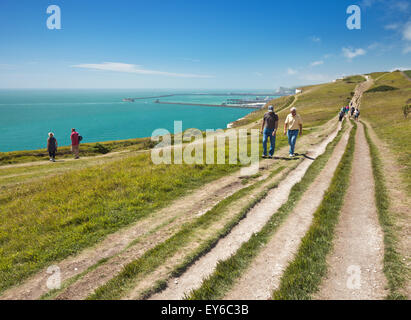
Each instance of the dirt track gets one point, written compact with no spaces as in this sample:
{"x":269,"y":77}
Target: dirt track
{"x":264,"y":274}
{"x":356,"y":263}
{"x":255,"y":220}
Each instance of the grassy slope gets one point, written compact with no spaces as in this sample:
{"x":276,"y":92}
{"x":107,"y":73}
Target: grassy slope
{"x":316,"y":105}
{"x":53,"y":218}
{"x":47,"y":219}
{"x":376,"y":75}
{"x":303,"y":275}
{"x":383,"y":111}
{"x":86,"y":149}
{"x":153,"y":258}
{"x":394,"y":266}
{"x":323,"y":102}
{"x":223,"y":278}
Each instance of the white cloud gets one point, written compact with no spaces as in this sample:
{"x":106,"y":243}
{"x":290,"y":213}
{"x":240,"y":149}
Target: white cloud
{"x":351,"y":53}
{"x":7,"y":66}
{"x":316,"y":63}
{"x":400,"y":68}
{"x":191,"y":60}
{"x":406,"y":32}
{"x":392,"y":26}
{"x":315,"y":39}
{"x":132,"y":68}
{"x":291,"y":71}
{"x":400,"y":5}
{"x":406,"y":50}
{"x":315,"y":77}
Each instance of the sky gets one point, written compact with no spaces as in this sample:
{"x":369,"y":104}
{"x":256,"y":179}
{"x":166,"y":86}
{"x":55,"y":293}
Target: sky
{"x":197,"y":44}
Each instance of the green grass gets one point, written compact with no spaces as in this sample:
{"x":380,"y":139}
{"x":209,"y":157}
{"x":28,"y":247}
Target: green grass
{"x":381,"y":89}
{"x":86,"y":149}
{"x":317,"y":105}
{"x":127,"y":278}
{"x":354,"y":79}
{"x":304,"y":274}
{"x":279,"y":104}
{"x":322,"y":102}
{"x":408,"y":73}
{"x":394,"y":267}
{"x":384,"y":112}
{"x":51,"y":214}
{"x":227,"y":271}
{"x":43,"y":222}
{"x":376,"y":75}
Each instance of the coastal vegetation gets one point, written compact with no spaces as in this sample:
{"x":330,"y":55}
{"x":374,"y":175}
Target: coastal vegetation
{"x":304,"y":274}
{"x":381,"y":89}
{"x":384,"y":112}
{"x":49,"y":213}
{"x":227,"y":271}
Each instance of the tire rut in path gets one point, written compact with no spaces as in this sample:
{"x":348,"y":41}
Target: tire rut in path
{"x":356,"y":263}
{"x":252,"y":223}
{"x":265,"y":272}
{"x":186,"y":207}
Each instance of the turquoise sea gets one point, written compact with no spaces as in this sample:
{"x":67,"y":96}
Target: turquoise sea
{"x":100,"y":115}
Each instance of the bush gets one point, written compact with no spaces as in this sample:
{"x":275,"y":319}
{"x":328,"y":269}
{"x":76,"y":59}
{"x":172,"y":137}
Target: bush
{"x":99,"y":148}
{"x":381,"y":89}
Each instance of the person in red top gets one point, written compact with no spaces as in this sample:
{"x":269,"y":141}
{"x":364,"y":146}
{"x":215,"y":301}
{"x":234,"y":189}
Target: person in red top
{"x":75,"y":148}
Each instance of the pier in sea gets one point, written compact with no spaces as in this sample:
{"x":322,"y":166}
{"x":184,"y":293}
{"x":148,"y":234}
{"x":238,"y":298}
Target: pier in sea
{"x":238,"y":106}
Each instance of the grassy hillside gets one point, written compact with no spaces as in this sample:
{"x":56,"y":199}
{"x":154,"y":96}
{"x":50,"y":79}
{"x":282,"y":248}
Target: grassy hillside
{"x":316,"y":105}
{"x":86,"y":149}
{"x":321,"y":103}
{"x":408,"y":73}
{"x":384,"y":112}
{"x":52,"y":214}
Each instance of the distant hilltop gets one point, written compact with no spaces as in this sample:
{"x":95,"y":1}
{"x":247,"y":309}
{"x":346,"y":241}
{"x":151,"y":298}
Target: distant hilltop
{"x":282,"y":91}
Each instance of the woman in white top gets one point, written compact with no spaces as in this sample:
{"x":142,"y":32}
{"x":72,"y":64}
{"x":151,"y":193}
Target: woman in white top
{"x":294,"y":124}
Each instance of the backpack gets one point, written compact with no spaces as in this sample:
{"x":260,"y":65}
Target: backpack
{"x":80,"y":138}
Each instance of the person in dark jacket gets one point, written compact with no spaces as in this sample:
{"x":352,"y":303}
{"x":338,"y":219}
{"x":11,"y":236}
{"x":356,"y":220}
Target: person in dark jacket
{"x":52,"y":146}
{"x":269,"y":130}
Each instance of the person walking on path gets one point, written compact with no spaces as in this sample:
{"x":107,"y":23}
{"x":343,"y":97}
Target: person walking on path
{"x":341,"y":115}
{"x":346,"y":109}
{"x":75,"y":143}
{"x":356,"y":114}
{"x":294,"y":124}
{"x":352,"y":111}
{"x":269,"y":130}
{"x":52,"y":146}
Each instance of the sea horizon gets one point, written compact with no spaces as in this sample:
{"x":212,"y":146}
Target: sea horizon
{"x":100,"y":114}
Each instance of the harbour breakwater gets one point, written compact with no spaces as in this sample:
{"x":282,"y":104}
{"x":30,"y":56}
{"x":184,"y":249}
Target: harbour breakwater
{"x":203,"y":94}
{"x":210,"y":105}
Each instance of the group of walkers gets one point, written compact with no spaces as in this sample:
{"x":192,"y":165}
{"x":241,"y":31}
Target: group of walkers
{"x":293,"y":127}
{"x":352,"y":111}
{"x":75,"y":145}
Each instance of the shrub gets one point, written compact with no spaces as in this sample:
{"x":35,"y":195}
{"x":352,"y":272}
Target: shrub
{"x":99,"y":148}
{"x":381,"y":89}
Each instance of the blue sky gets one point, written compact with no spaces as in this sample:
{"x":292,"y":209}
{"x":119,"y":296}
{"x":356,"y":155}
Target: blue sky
{"x":198,"y":44}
